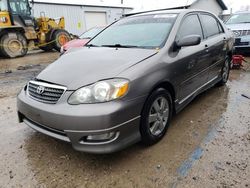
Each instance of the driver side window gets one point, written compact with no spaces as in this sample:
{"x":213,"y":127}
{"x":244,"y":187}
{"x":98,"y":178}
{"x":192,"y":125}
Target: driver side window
{"x":190,"y":26}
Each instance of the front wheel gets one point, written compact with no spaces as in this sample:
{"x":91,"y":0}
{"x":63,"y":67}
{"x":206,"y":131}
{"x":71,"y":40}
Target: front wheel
{"x":225,"y":73}
{"x":156,"y":116}
{"x":60,"y":37}
{"x":13,"y":45}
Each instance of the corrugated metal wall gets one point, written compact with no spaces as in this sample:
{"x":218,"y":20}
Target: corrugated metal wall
{"x":74,"y":15}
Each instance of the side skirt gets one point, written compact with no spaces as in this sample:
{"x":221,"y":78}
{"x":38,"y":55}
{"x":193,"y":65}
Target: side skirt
{"x":180,"y":105}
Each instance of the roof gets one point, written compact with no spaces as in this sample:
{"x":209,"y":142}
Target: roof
{"x":169,"y":11}
{"x":220,"y":2}
{"x":87,"y":3}
{"x":166,"y":11}
{"x":175,"y":4}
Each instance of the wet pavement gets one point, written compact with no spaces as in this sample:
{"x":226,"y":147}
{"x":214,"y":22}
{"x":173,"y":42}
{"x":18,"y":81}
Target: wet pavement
{"x":207,"y":144}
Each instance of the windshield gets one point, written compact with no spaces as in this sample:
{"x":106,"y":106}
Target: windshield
{"x":150,"y":31}
{"x":20,"y":7}
{"x":90,"y":33}
{"x":3,"y":5}
{"x":239,"y":18}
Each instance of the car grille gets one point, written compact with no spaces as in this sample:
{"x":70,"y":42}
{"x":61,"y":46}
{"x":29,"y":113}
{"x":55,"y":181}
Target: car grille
{"x":239,"y":43}
{"x":44,"y":92}
{"x":240,"y":33}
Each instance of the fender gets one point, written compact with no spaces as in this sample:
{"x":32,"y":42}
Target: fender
{"x":50,"y":34}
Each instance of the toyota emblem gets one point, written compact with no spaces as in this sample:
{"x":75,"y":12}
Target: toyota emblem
{"x":40,"y":90}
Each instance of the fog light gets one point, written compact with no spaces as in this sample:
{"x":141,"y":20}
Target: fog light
{"x":101,"y":137}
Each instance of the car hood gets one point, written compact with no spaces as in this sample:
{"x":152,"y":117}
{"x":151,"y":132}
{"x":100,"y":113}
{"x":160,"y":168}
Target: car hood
{"x":75,"y":43}
{"x":89,"y":65}
{"x":244,"y":26}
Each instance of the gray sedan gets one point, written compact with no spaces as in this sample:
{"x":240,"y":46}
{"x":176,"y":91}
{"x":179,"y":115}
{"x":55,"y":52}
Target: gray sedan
{"x":128,"y":82}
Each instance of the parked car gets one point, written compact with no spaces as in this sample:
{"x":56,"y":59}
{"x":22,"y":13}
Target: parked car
{"x":83,"y":39}
{"x":125,"y":85}
{"x":239,"y":23}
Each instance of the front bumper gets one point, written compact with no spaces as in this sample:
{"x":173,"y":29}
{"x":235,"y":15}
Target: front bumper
{"x":73,"y":123}
{"x":242,"y":42}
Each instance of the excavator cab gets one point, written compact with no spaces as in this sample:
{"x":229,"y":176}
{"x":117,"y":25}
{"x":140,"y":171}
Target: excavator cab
{"x":19,"y":12}
{"x":19,"y":30}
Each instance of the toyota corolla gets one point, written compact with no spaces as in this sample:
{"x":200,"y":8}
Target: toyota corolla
{"x":125,"y":85}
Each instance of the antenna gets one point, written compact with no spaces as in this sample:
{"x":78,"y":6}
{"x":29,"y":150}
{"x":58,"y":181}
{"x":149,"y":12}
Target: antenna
{"x":186,"y":4}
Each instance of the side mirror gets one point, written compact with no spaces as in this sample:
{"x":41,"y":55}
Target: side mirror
{"x":190,"y":40}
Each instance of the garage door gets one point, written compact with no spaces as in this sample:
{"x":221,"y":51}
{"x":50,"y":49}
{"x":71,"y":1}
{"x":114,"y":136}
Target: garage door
{"x":95,"y":19}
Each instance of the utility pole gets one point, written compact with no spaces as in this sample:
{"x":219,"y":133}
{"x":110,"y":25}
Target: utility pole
{"x":122,"y":2}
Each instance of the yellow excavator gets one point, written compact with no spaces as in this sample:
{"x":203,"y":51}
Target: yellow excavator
{"x":20,"y":31}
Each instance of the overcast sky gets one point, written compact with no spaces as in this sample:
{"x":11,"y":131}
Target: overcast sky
{"x":235,"y":4}
{"x":151,"y":4}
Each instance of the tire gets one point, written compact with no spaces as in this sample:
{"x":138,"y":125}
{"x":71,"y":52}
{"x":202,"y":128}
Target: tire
{"x":225,"y":72}
{"x":13,"y":45}
{"x":153,"y":129}
{"x":60,"y":37}
{"x":47,"y":48}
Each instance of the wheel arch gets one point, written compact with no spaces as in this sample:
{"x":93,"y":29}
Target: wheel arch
{"x":169,"y":87}
{"x":51,"y":33}
{"x":230,"y":55}
{"x":11,"y":29}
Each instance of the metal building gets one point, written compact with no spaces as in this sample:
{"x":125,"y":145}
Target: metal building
{"x":215,"y":6}
{"x":80,"y":17}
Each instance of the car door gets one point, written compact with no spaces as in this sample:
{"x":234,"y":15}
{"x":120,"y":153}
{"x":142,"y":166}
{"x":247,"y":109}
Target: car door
{"x":216,"y":44}
{"x":192,"y":64}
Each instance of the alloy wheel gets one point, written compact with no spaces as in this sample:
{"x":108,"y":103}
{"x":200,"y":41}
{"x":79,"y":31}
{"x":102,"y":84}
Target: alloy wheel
{"x":158,"y":116}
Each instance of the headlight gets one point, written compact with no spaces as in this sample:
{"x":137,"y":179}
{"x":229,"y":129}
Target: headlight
{"x":99,"y":92}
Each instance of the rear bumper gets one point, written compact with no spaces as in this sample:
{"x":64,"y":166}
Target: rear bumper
{"x":74,"y":123}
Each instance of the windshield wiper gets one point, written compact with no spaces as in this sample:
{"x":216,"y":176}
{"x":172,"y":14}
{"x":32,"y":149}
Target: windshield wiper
{"x":92,"y":45}
{"x":120,"y":46}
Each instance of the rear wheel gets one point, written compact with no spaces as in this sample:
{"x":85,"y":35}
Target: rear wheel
{"x":60,"y":37}
{"x":13,"y":45}
{"x":225,"y":72}
{"x":156,"y":116}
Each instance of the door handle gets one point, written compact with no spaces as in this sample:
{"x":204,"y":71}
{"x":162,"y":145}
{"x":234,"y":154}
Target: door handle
{"x":206,"y":48}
